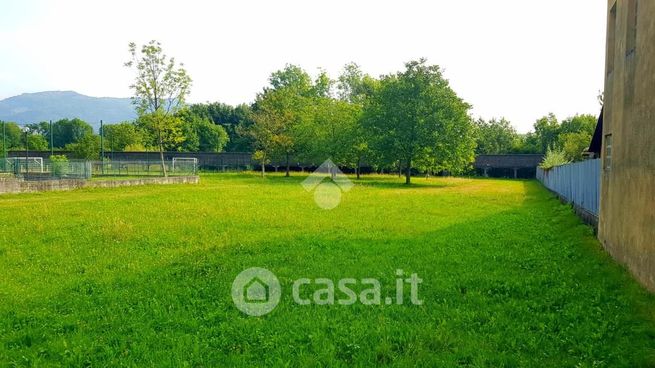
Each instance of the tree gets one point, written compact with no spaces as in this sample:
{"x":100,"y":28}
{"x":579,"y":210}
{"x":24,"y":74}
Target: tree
{"x":495,"y":137}
{"x":279,"y":112}
{"x":14,"y":137}
{"x":120,"y":136}
{"x":546,"y":131}
{"x":414,"y":114}
{"x":87,"y":148}
{"x":266,"y":121}
{"x":160,"y":90}
{"x":64,"y":131}
{"x":584,"y":123}
{"x":355,"y":88}
{"x":273,"y":118}
{"x":232,"y":119}
{"x":202,"y":134}
{"x":574,"y":144}
{"x":37,"y":142}
{"x":165,"y":132}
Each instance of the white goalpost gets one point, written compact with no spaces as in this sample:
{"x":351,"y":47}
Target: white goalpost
{"x":33,"y":164}
{"x":185,"y":164}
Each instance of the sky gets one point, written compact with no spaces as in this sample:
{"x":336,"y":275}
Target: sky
{"x":518,"y":59}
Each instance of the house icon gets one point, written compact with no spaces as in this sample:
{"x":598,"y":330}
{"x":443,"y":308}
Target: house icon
{"x":256,"y":291}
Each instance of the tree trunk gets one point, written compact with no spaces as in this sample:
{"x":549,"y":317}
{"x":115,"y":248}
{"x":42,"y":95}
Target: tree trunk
{"x":287,"y":171}
{"x":263,"y":167}
{"x":161,"y":156}
{"x":359,"y":168}
{"x":400,"y":168}
{"x":408,"y":172}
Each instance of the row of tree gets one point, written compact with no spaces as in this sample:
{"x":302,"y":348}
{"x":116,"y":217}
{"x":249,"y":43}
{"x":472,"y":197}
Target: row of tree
{"x":189,"y":132}
{"x":571,"y":137}
{"x":408,"y":121}
{"x":411,"y":120}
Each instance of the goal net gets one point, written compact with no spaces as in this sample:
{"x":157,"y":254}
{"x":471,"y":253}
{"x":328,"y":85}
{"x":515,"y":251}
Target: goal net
{"x":23,"y":164}
{"x":185,"y":165}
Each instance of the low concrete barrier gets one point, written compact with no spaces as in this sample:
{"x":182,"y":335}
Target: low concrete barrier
{"x":10,"y":185}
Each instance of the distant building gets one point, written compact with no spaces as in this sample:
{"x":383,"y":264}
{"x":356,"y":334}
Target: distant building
{"x":627,"y":204}
{"x":508,"y":166}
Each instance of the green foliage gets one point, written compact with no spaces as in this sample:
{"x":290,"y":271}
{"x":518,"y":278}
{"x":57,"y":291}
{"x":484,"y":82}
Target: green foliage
{"x":65,"y":131}
{"x":415,"y":118}
{"x":161,"y":85}
{"x":280,"y":118}
{"x":162,"y":130}
{"x":233,"y":120}
{"x":13,"y":136}
{"x":118,"y":137}
{"x":87,"y":148}
{"x":160,"y":90}
{"x":37,"y":142}
{"x":574,"y":144}
{"x":568,"y":136}
{"x":59,"y":165}
{"x":495,"y":137}
{"x":553,"y":158}
{"x":138,"y":276}
{"x":201,"y":134}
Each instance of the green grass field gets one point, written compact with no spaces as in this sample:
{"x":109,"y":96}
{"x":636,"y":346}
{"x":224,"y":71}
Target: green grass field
{"x":141,"y":276}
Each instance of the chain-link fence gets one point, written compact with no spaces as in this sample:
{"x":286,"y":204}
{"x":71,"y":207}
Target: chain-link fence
{"x":37,"y":168}
{"x":144,"y":168}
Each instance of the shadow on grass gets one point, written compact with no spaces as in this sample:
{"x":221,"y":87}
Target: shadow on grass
{"x":375,"y":181}
{"x":523,"y":287}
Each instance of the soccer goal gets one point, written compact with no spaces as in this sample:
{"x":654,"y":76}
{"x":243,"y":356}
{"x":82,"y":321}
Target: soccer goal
{"x":185,"y":164}
{"x":21,"y":164}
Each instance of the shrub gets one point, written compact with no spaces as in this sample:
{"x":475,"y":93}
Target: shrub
{"x":553,"y":158}
{"x":59,"y":165}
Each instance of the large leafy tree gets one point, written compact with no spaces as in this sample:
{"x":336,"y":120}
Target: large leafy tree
{"x":64,"y":131}
{"x":417,"y":118}
{"x":202,"y":134}
{"x":120,"y":137}
{"x":354,"y":89}
{"x":279,"y":112}
{"x":13,"y":137}
{"x":160,"y":90}
{"x":87,"y":148}
{"x":234,"y":119}
{"x":546,"y":131}
{"x":495,"y":136}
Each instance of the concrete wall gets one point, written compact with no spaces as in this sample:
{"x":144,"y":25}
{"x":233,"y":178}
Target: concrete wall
{"x":19,"y":186}
{"x":627,"y":208}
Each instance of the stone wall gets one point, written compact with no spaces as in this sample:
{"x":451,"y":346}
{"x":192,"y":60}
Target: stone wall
{"x":10,"y":185}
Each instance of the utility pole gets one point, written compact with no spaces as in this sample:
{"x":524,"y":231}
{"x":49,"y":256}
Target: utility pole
{"x":102,"y":147}
{"x":4,"y":146}
{"x":52,"y":147}
{"x":27,"y":153}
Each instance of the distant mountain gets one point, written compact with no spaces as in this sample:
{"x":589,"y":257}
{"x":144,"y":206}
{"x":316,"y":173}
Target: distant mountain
{"x":44,"y":106}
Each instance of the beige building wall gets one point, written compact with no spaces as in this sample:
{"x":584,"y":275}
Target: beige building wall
{"x":627,"y":207}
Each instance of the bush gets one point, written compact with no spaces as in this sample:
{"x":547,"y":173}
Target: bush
{"x":59,"y":165}
{"x":553,"y":158}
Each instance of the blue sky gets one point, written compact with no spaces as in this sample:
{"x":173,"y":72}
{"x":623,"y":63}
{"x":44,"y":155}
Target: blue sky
{"x":513,"y":58}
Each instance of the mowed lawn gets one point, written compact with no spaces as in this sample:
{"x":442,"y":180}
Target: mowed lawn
{"x":142,"y":276}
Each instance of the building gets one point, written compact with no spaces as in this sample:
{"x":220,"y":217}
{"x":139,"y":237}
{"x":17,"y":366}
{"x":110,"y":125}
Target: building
{"x":627,"y":204}
{"x":508,"y":166}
